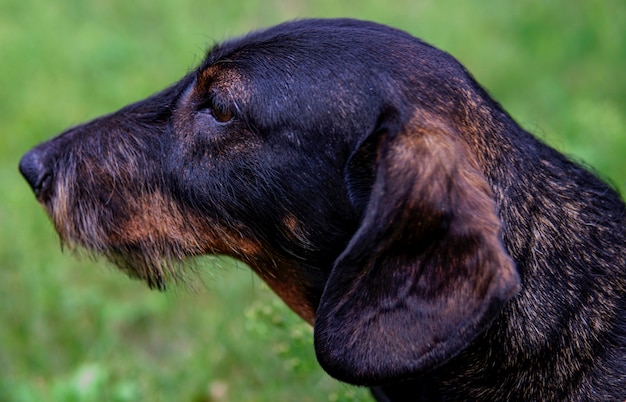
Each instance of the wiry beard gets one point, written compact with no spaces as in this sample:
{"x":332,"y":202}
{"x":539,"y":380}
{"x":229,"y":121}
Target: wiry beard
{"x":101,"y":204}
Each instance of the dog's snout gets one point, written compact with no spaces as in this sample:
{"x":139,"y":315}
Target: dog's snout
{"x":35,"y":169}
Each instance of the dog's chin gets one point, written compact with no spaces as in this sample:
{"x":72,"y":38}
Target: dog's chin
{"x":157,"y":273}
{"x":157,"y":267}
{"x":153,"y":257}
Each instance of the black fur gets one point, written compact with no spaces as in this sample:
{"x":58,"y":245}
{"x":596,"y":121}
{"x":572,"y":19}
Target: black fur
{"x":441,"y":251}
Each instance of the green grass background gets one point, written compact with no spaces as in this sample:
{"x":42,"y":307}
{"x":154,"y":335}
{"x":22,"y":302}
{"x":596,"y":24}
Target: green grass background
{"x":73,"y":329}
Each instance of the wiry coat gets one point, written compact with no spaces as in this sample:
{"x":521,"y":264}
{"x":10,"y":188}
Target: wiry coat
{"x":440,"y":250}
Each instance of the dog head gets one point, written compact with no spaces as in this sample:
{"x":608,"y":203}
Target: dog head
{"x":337,"y":158}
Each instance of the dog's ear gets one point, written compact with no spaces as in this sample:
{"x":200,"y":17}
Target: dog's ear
{"x":426,"y":271}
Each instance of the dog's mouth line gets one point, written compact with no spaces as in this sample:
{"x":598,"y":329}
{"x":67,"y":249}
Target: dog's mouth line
{"x":157,"y":257}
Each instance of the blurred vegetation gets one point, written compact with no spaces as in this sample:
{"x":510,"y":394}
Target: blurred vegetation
{"x":71,"y":329}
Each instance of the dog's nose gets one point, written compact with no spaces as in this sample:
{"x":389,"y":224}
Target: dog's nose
{"x":34,"y":169}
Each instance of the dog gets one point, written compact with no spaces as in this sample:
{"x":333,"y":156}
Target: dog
{"x":440,"y":251}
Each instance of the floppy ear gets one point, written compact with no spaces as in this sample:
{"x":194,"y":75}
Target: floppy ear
{"x":426,"y":271}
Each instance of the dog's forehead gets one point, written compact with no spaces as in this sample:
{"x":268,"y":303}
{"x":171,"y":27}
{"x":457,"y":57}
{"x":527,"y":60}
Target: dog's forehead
{"x":312,"y":60}
{"x":302,"y":72}
{"x":309,"y":46}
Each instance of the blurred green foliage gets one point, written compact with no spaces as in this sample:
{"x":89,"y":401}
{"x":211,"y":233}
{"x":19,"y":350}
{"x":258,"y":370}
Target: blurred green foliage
{"x":71,"y":329}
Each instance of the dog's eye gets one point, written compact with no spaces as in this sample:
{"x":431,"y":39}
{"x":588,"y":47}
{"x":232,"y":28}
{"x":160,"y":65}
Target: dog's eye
{"x":220,"y":113}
